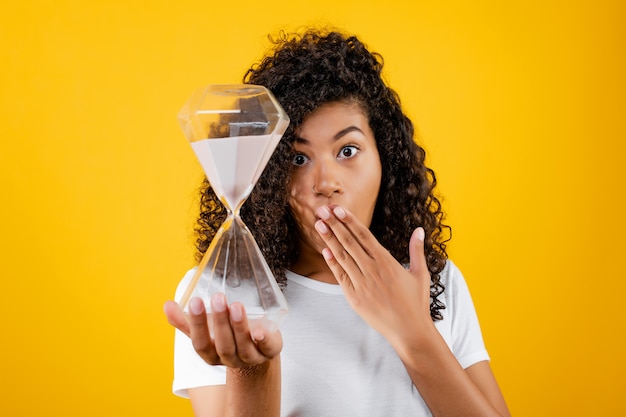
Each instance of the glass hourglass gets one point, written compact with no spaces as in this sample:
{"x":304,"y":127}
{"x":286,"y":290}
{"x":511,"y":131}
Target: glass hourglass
{"x":233,"y":130}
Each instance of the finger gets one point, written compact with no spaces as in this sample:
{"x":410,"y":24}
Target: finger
{"x":247,"y":350}
{"x":339,"y":269}
{"x":418,"y":266}
{"x":367,"y":242}
{"x":416,"y":252}
{"x":176,"y":317}
{"x":224,"y":339}
{"x":340,"y":240}
{"x":199,"y":331}
{"x":340,"y":274}
{"x":342,"y":227}
{"x":269,"y":343}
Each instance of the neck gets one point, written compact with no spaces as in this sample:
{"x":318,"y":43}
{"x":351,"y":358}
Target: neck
{"x":311,"y":264}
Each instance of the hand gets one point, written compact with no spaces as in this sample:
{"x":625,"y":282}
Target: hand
{"x":232,"y":344}
{"x":388,"y":297}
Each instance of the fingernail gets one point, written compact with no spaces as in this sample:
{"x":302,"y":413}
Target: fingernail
{"x":218,"y":302}
{"x":420,"y":234}
{"x":324,"y":213}
{"x":339,"y":212}
{"x":258,"y":336}
{"x":327,"y":254}
{"x":195,"y":306}
{"x":321,"y":226}
{"x":236,"y":312}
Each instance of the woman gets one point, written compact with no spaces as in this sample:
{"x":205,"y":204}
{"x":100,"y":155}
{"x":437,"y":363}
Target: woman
{"x":380,"y":322}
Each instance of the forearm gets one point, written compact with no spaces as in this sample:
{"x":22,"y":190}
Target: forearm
{"x":442,"y":382}
{"x":254,"y":391}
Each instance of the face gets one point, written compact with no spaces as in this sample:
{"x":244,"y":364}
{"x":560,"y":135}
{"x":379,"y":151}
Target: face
{"x":336,"y":162}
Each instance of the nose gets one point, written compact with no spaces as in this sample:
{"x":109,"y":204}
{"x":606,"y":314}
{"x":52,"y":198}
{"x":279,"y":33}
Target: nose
{"x":325,"y":179}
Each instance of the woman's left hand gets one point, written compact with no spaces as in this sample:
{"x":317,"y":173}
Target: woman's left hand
{"x":385,"y":294}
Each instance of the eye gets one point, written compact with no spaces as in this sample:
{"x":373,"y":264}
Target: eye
{"x":299,"y":160}
{"x":348,"y":151}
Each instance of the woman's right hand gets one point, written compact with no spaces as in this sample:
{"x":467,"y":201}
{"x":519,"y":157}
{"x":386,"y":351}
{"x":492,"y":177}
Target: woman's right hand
{"x":232,"y":343}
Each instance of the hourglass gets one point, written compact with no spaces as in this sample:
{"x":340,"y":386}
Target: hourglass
{"x":233,"y":130}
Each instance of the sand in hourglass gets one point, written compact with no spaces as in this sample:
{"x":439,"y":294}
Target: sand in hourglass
{"x":232,"y":164}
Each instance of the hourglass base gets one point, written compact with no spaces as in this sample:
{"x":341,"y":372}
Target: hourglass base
{"x":234,"y":266}
{"x":268,"y":321}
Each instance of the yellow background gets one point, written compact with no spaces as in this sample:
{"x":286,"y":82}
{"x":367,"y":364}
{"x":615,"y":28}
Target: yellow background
{"x":520,"y":105}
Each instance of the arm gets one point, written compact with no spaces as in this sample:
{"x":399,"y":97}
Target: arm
{"x":254,"y":391}
{"x":208,"y":401}
{"x":445,"y":386}
{"x":383,"y":292}
{"x":246,"y":392}
{"x":253,"y":376}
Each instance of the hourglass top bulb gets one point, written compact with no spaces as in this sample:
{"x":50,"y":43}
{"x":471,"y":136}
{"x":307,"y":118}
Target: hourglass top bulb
{"x":233,"y":129}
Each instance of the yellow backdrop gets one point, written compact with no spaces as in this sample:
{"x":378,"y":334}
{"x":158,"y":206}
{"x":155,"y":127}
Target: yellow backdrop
{"x":520,"y":106}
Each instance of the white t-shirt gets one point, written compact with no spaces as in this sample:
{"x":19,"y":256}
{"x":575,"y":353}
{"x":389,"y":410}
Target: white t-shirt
{"x":333,"y":363}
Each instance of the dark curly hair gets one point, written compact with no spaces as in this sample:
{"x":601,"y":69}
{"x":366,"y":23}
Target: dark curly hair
{"x":305,"y":71}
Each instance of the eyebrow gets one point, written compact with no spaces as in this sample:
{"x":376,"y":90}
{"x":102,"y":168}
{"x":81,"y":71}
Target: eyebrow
{"x":337,"y":136}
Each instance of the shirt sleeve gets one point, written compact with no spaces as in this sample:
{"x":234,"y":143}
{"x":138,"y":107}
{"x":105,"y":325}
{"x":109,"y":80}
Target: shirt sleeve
{"x":190,"y":370}
{"x":467,"y":341}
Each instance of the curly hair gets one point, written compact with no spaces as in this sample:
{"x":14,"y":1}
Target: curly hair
{"x":305,"y":71}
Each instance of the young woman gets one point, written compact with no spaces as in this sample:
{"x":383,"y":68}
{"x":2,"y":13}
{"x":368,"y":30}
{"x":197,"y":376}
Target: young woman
{"x":380,"y":322}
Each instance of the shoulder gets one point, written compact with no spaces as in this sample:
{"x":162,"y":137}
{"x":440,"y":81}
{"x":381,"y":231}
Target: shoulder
{"x":453,"y":280}
{"x":184,"y":283}
{"x":460,"y":327}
